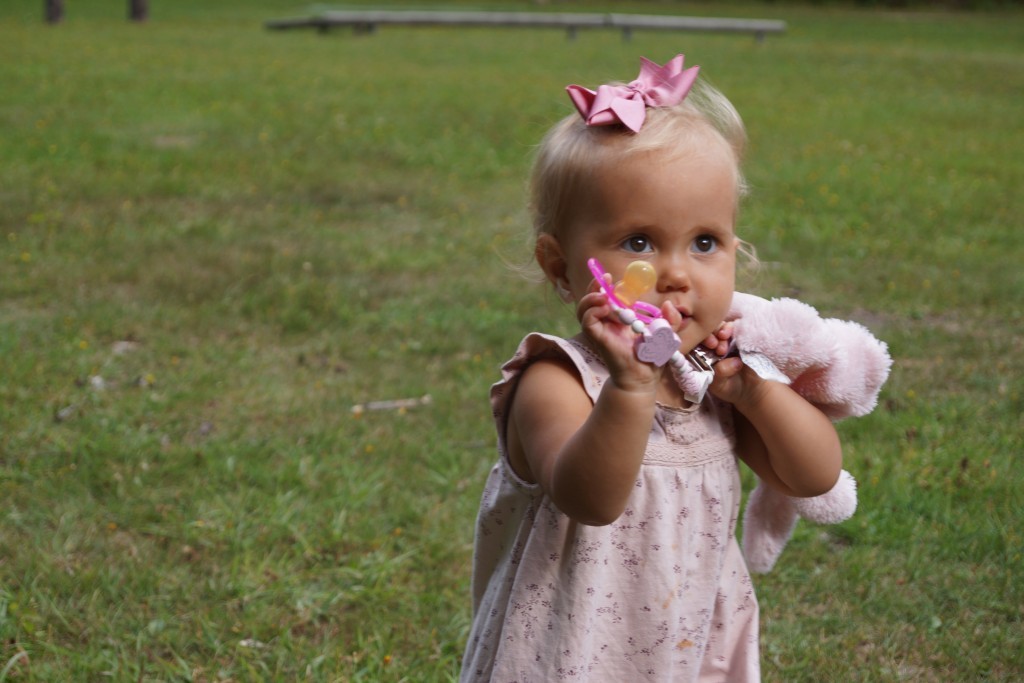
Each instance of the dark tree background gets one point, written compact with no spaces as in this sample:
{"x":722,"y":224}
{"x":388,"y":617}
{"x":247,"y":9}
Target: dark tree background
{"x":53,"y":10}
{"x":138,"y":10}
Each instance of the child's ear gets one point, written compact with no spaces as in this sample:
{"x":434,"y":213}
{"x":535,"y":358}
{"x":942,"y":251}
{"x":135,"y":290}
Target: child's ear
{"x":551,"y":259}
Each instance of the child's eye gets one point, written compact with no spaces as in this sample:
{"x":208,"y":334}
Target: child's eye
{"x":705,"y":244}
{"x":637,"y":244}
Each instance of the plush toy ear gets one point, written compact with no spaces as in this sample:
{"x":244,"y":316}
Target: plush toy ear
{"x":849,"y":383}
{"x":767,"y":525}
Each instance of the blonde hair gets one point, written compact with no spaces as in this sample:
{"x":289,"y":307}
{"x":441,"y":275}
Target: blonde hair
{"x":571,"y":151}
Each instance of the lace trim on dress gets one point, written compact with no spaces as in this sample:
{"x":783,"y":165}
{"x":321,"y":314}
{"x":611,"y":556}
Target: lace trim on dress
{"x":668,"y":454}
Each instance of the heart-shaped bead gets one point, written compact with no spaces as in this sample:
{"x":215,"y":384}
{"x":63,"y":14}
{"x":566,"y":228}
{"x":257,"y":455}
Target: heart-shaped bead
{"x":658,"y":343}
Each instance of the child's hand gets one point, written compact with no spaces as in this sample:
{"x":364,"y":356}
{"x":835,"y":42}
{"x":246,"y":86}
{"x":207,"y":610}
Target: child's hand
{"x":615,"y":342}
{"x":736,"y":383}
{"x":718,"y":342}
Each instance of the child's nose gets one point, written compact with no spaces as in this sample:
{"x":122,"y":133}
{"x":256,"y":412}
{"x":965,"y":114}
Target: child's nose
{"x":673,"y":275}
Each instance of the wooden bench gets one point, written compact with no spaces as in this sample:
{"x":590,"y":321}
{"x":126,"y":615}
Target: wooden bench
{"x":366,"y":21}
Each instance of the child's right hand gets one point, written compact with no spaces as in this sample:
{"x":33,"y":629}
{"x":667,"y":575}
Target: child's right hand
{"x":615,"y":342}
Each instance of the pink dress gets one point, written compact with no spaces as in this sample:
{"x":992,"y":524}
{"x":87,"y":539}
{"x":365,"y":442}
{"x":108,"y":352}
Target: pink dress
{"x":662,"y":594}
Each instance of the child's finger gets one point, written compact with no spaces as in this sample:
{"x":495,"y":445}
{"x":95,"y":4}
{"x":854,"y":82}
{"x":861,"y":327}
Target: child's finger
{"x":672,"y":315}
{"x":594,"y":303}
{"x":728,"y":367}
{"x":717,"y":346}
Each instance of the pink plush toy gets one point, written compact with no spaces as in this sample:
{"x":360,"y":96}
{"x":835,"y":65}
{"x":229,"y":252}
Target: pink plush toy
{"x":837,"y":365}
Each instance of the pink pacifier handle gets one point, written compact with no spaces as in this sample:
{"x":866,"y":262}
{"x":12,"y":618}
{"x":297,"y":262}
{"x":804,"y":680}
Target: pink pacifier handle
{"x":646,"y":312}
{"x":606,"y":287}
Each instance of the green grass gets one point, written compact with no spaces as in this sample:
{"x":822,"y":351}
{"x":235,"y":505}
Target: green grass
{"x":284,"y":225}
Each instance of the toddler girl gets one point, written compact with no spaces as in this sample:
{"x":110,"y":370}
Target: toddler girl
{"x":605,"y":541}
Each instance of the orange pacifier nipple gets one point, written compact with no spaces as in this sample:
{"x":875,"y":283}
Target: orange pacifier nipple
{"x":639,"y":278}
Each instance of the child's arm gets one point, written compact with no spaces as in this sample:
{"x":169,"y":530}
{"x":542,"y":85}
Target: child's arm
{"x":585,"y":455}
{"x":790,"y":444}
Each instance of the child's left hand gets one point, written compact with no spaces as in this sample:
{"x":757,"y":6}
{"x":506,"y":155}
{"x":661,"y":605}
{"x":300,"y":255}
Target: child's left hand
{"x":734,"y":382}
{"x":718,"y":342}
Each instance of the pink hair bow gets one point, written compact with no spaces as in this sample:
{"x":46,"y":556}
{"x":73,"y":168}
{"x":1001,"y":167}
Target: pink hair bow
{"x":656,"y":86}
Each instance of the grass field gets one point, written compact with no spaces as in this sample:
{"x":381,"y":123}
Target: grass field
{"x":216,"y":240}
